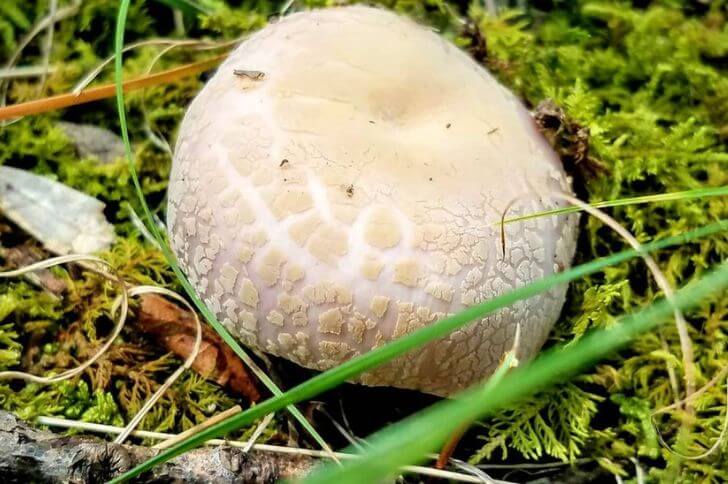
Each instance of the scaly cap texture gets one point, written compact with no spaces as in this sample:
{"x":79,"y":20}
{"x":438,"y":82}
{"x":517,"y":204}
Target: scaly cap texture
{"x":336,"y":184}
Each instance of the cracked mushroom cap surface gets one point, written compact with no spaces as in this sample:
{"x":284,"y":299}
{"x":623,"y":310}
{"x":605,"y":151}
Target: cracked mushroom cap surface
{"x":338,"y":183}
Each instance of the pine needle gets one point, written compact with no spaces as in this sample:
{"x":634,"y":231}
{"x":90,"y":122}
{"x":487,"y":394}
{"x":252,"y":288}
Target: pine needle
{"x":107,"y":90}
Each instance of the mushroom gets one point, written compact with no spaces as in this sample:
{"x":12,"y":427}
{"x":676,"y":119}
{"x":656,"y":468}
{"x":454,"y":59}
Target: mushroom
{"x":338,"y":183}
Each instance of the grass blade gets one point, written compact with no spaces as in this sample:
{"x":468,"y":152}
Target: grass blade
{"x":660,"y":197}
{"x":171,"y":260}
{"x":410,"y":440}
{"x":367,"y":361}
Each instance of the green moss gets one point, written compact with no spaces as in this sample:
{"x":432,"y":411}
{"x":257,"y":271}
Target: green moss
{"x":556,"y":424}
{"x":639,"y":424}
{"x":650,"y":84}
{"x":69,"y":399}
{"x":57,"y":333}
{"x":10,"y":352}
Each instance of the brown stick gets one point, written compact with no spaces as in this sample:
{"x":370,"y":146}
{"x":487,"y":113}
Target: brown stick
{"x":106,"y":91}
{"x":32,"y":455}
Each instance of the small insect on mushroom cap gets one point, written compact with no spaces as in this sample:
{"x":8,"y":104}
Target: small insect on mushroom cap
{"x":338,"y":184}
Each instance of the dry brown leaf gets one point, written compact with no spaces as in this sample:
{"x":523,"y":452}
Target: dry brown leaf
{"x":174,"y":328}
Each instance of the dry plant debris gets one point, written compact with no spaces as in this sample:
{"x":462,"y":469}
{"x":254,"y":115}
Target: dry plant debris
{"x":174,"y":328}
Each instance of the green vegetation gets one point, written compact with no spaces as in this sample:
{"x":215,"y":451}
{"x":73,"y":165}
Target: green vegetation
{"x":651,"y":86}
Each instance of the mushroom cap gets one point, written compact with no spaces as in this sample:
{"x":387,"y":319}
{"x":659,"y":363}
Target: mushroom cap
{"x":338,"y":183}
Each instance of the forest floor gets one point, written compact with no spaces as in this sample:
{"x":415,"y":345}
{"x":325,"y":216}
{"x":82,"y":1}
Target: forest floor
{"x":644,"y":91}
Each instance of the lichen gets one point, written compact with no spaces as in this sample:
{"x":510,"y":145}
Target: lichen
{"x":649,"y":82}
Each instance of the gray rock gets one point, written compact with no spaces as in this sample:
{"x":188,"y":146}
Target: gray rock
{"x":95,"y":142}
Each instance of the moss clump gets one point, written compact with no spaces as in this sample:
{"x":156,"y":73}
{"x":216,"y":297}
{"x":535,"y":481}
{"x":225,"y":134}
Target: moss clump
{"x":46,"y":334}
{"x":649,"y":82}
{"x":67,"y":399}
{"x":651,"y":87}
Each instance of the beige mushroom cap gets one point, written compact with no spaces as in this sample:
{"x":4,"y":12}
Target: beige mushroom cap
{"x":349,"y":195}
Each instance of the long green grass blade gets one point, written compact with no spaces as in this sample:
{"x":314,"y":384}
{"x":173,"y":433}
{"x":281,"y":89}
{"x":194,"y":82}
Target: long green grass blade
{"x":660,"y":197}
{"x":408,"y":441}
{"x":398,"y":347}
{"x":171,"y":260}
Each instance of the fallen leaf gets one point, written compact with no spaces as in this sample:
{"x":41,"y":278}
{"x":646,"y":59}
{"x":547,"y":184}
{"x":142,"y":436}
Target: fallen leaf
{"x":64,"y":220}
{"x":174,"y":328}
